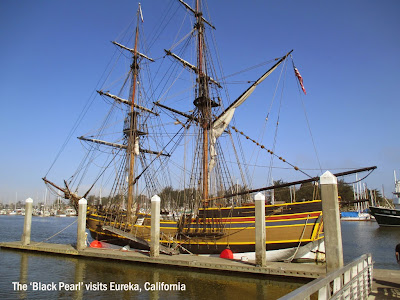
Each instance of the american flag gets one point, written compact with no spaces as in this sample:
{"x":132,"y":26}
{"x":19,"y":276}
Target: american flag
{"x":297,"y":73}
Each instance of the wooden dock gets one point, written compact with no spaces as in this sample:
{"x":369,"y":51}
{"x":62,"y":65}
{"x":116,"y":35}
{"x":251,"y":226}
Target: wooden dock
{"x":386,"y":283}
{"x":215,"y":264}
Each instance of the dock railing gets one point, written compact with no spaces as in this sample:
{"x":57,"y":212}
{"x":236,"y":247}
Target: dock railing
{"x":353,"y":281}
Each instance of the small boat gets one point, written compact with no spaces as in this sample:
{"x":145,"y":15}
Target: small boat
{"x":360,"y":204}
{"x":389,"y":215}
{"x":355,"y":216}
{"x":70,"y":212}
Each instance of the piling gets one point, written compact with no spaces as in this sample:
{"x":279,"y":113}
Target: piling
{"x":81,"y":236}
{"x":155,"y":227}
{"x":259,"y":200}
{"x":331,"y":217}
{"x":26,"y":236}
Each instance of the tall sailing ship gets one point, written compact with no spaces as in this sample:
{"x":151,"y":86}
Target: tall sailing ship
{"x":189,"y":152}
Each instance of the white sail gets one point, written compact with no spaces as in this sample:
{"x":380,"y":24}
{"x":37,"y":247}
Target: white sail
{"x":136,"y":148}
{"x":223,"y":120}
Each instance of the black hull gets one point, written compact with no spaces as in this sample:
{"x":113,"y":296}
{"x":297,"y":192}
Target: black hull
{"x":386,"y":216}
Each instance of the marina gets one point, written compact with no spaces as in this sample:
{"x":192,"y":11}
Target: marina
{"x":277,"y":279}
{"x":332,"y":278}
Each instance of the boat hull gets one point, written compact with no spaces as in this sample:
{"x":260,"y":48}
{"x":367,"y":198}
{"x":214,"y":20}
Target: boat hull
{"x":288,"y":226}
{"x":386,"y":216}
{"x":311,"y":251}
{"x":355,"y":216}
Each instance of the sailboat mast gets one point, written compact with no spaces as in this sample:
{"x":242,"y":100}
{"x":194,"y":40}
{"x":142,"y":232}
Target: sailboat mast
{"x":202,"y":102}
{"x":133,"y":123}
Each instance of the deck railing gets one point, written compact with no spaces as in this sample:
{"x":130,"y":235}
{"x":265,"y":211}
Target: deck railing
{"x":353,"y":281}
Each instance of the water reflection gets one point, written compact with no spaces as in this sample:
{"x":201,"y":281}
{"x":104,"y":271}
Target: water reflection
{"x":23,"y":274}
{"x":98,"y":274}
{"x":79,"y":277}
{"x":156,"y":278}
{"x":47,"y":269}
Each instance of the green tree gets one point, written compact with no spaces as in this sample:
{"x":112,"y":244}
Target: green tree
{"x":307,"y":191}
{"x":281,"y":194}
{"x":345,"y":191}
{"x":91,"y":200}
{"x":378,"y":198}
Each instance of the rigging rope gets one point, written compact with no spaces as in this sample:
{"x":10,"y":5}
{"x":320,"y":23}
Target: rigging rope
{"x":298,"y":246}
{"x":284,"y":69}
{"x":270,"y":151}
{"x":85,"y":109}
{"x":361,"y":178}
{"x":250,"y":68}
{"x":307,"y":121}
{"x":57,"y":232}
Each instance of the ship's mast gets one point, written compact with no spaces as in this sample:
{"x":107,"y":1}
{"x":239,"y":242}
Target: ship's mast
{"x":203,"y":100}
{"x":133,"y":123}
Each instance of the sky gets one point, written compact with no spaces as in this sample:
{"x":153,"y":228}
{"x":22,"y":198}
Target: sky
{"x":53,"y":53}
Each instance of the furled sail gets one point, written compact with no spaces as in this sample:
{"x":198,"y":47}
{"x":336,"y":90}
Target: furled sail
{"x":118,"y":99}
{"x":136,"y":147}
{"x":223,"y":120}
{"x":192,"y":67}
{"x":133,"y":51}
{"x":195,"y":12}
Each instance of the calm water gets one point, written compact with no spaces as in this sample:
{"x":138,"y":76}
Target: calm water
{"x":367,"y":237}
{"x":25,"y":267}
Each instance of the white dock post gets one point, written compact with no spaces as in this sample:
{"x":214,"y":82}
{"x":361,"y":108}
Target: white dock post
{"x":331,"y":217}
{"x":155,"y":227}
{"x":81,"y":236}
{"x":260,"y":230}
{"x":26,"y":236}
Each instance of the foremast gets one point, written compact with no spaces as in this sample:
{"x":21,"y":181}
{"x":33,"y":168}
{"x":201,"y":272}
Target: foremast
{"x":132,"y":132}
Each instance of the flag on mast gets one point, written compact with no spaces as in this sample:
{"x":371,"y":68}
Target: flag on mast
{"x":297,"y":73}
{"x":141,"y":14}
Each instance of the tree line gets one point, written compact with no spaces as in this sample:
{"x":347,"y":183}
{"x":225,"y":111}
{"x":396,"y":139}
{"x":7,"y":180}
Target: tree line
{"x":174,"y":198}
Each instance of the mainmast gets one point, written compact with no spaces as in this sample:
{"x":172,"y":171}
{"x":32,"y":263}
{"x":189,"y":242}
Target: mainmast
{"x":203,"y":101}
{"x":211,"y":127}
